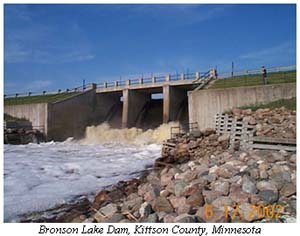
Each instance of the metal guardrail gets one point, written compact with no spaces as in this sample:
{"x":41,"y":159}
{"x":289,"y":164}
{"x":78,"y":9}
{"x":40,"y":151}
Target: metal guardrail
{"x":79,"y":89}
{"x":225,"y":75}
{"x":155,"y":79}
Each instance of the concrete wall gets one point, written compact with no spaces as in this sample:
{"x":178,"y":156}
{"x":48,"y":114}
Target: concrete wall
{"x":70,"y":117}
{"x":107,"y":104}
{"x":173,"y":102}
{"x":205,"y":104}
{"x":133,"y":103}
{"x":37,"y":113}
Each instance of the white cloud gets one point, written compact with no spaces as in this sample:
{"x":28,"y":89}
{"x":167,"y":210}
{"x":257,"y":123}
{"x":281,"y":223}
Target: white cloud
{"x":284,"y":49}
{"x":38,"y":85}
{"x":34,"y":42}
{"x":181,"y":13}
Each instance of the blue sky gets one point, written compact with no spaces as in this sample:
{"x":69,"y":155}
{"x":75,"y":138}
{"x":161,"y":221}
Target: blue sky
{"x":57,"y":46}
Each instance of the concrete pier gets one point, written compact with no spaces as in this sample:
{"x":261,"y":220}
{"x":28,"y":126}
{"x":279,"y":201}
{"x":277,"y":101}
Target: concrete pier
{"x":133,"y":102}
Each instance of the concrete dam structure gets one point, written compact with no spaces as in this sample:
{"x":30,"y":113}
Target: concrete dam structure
{"x":133,"y":103}
{"x":142,"y":103}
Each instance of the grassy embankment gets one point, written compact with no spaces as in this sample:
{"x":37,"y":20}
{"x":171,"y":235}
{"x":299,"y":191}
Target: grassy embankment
{"x":287,"y":103}
{"x":38,"y":99}
{"x":252,"y":80}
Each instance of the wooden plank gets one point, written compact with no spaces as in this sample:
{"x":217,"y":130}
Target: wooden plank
{"x":273,"y":140}
{"x":169,"y":144}
{"x":273,"y":147}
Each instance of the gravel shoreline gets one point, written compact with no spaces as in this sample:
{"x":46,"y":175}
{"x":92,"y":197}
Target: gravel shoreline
{"x":202,"y":180}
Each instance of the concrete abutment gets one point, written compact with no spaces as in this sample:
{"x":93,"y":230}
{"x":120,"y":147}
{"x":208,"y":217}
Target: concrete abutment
{"x":133,"y":103}
{"x":174,"y":100}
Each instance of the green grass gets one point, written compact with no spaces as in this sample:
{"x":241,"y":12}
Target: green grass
{"x":8,"y":117}
{"x":38,"y":99}
{"x":252,"y":80}
{"x":287,"y":103}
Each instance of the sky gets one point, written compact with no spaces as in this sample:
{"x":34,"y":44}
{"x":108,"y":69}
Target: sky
{"x":50,"y":47}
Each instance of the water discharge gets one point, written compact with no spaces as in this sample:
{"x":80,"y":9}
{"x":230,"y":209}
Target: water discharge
{"x":39,"y":176}
{"x":104,"y":134}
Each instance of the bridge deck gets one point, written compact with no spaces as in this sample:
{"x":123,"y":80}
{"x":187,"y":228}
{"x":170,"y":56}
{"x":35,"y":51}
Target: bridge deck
{"x":142,"y":84}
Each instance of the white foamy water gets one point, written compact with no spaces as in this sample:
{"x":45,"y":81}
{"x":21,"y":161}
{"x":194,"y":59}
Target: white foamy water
{"x":39,"y":176}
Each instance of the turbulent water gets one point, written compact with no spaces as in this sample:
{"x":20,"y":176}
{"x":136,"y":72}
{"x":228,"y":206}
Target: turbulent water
{"x":39,"y":176}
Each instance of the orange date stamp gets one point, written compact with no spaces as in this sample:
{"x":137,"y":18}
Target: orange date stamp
{"x":254,"y":212}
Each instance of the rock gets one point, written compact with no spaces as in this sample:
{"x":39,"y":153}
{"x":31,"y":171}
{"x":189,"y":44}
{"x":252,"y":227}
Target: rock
{"x":169,"y":218}
{"x":162,"y":204}
{"x":177,"y":201}
{"x":266,"y":185}
{"x":179,"y":187}
{"x":277,"y":156}
{"x":201,"y":170}
{"x":224,"y":172}
{"x":99,"y":217}
{"x":89,"y":220}
{"x":192,"y":145}
{"x":246,"y":210}
{"x":145,"y":210}
{"x":248,"y":185}
{"x":250,"y":120}
{"x":288,"y":190}
{"x":191,"y":189}
{"x":79,"y":219}
{"x":188,"y":175}
{"x":115,"y":218}
{"x":143,"y":188}
{"x":132,"y":205}
{"x":263,"y":174}
{"x":164,"y":193}
{"x":268,"y":196}
{"x":210,"y":196}
{"x":152,"y":193}
{"x":109,"y":210}
{"x":204,"y":215}
{"x":152,"y":218}
{"x":238,"y":196}
{"x":195,"y":200}
{"x":236,"y":112}
{"x":100,"y":198}
{"x":161,"y":215}
{"x":221,"y":201}
{"x":165,"y":179}
{"x":222,"y":187}
{"x":224,"y":137}
{"x":280,"y":175}
{"x":208,"y":132}
{"x":185,"y":218}
{"x":152,"y":178}
{"x":184,"y":209}
{"x":293,"y":158}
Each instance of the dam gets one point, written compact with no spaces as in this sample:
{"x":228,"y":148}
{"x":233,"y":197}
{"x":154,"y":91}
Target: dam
{"x":132,"y":103}
{"x":144,"y":103}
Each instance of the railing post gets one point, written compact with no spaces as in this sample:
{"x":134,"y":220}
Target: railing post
{"x":153,"y":80}
{"x":116,"y":83}
{"x":141,"y":81}
{"x":128,"y":82}
{"x":197,"y":75}
{"x":168,"y":77}
{"x":105,"y":85}
{"x":93,"y":86}
{"x":213,"y":73}
{"x":182,"y":76}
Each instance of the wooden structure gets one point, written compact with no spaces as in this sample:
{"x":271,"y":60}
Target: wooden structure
{"x":243,"y":134}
